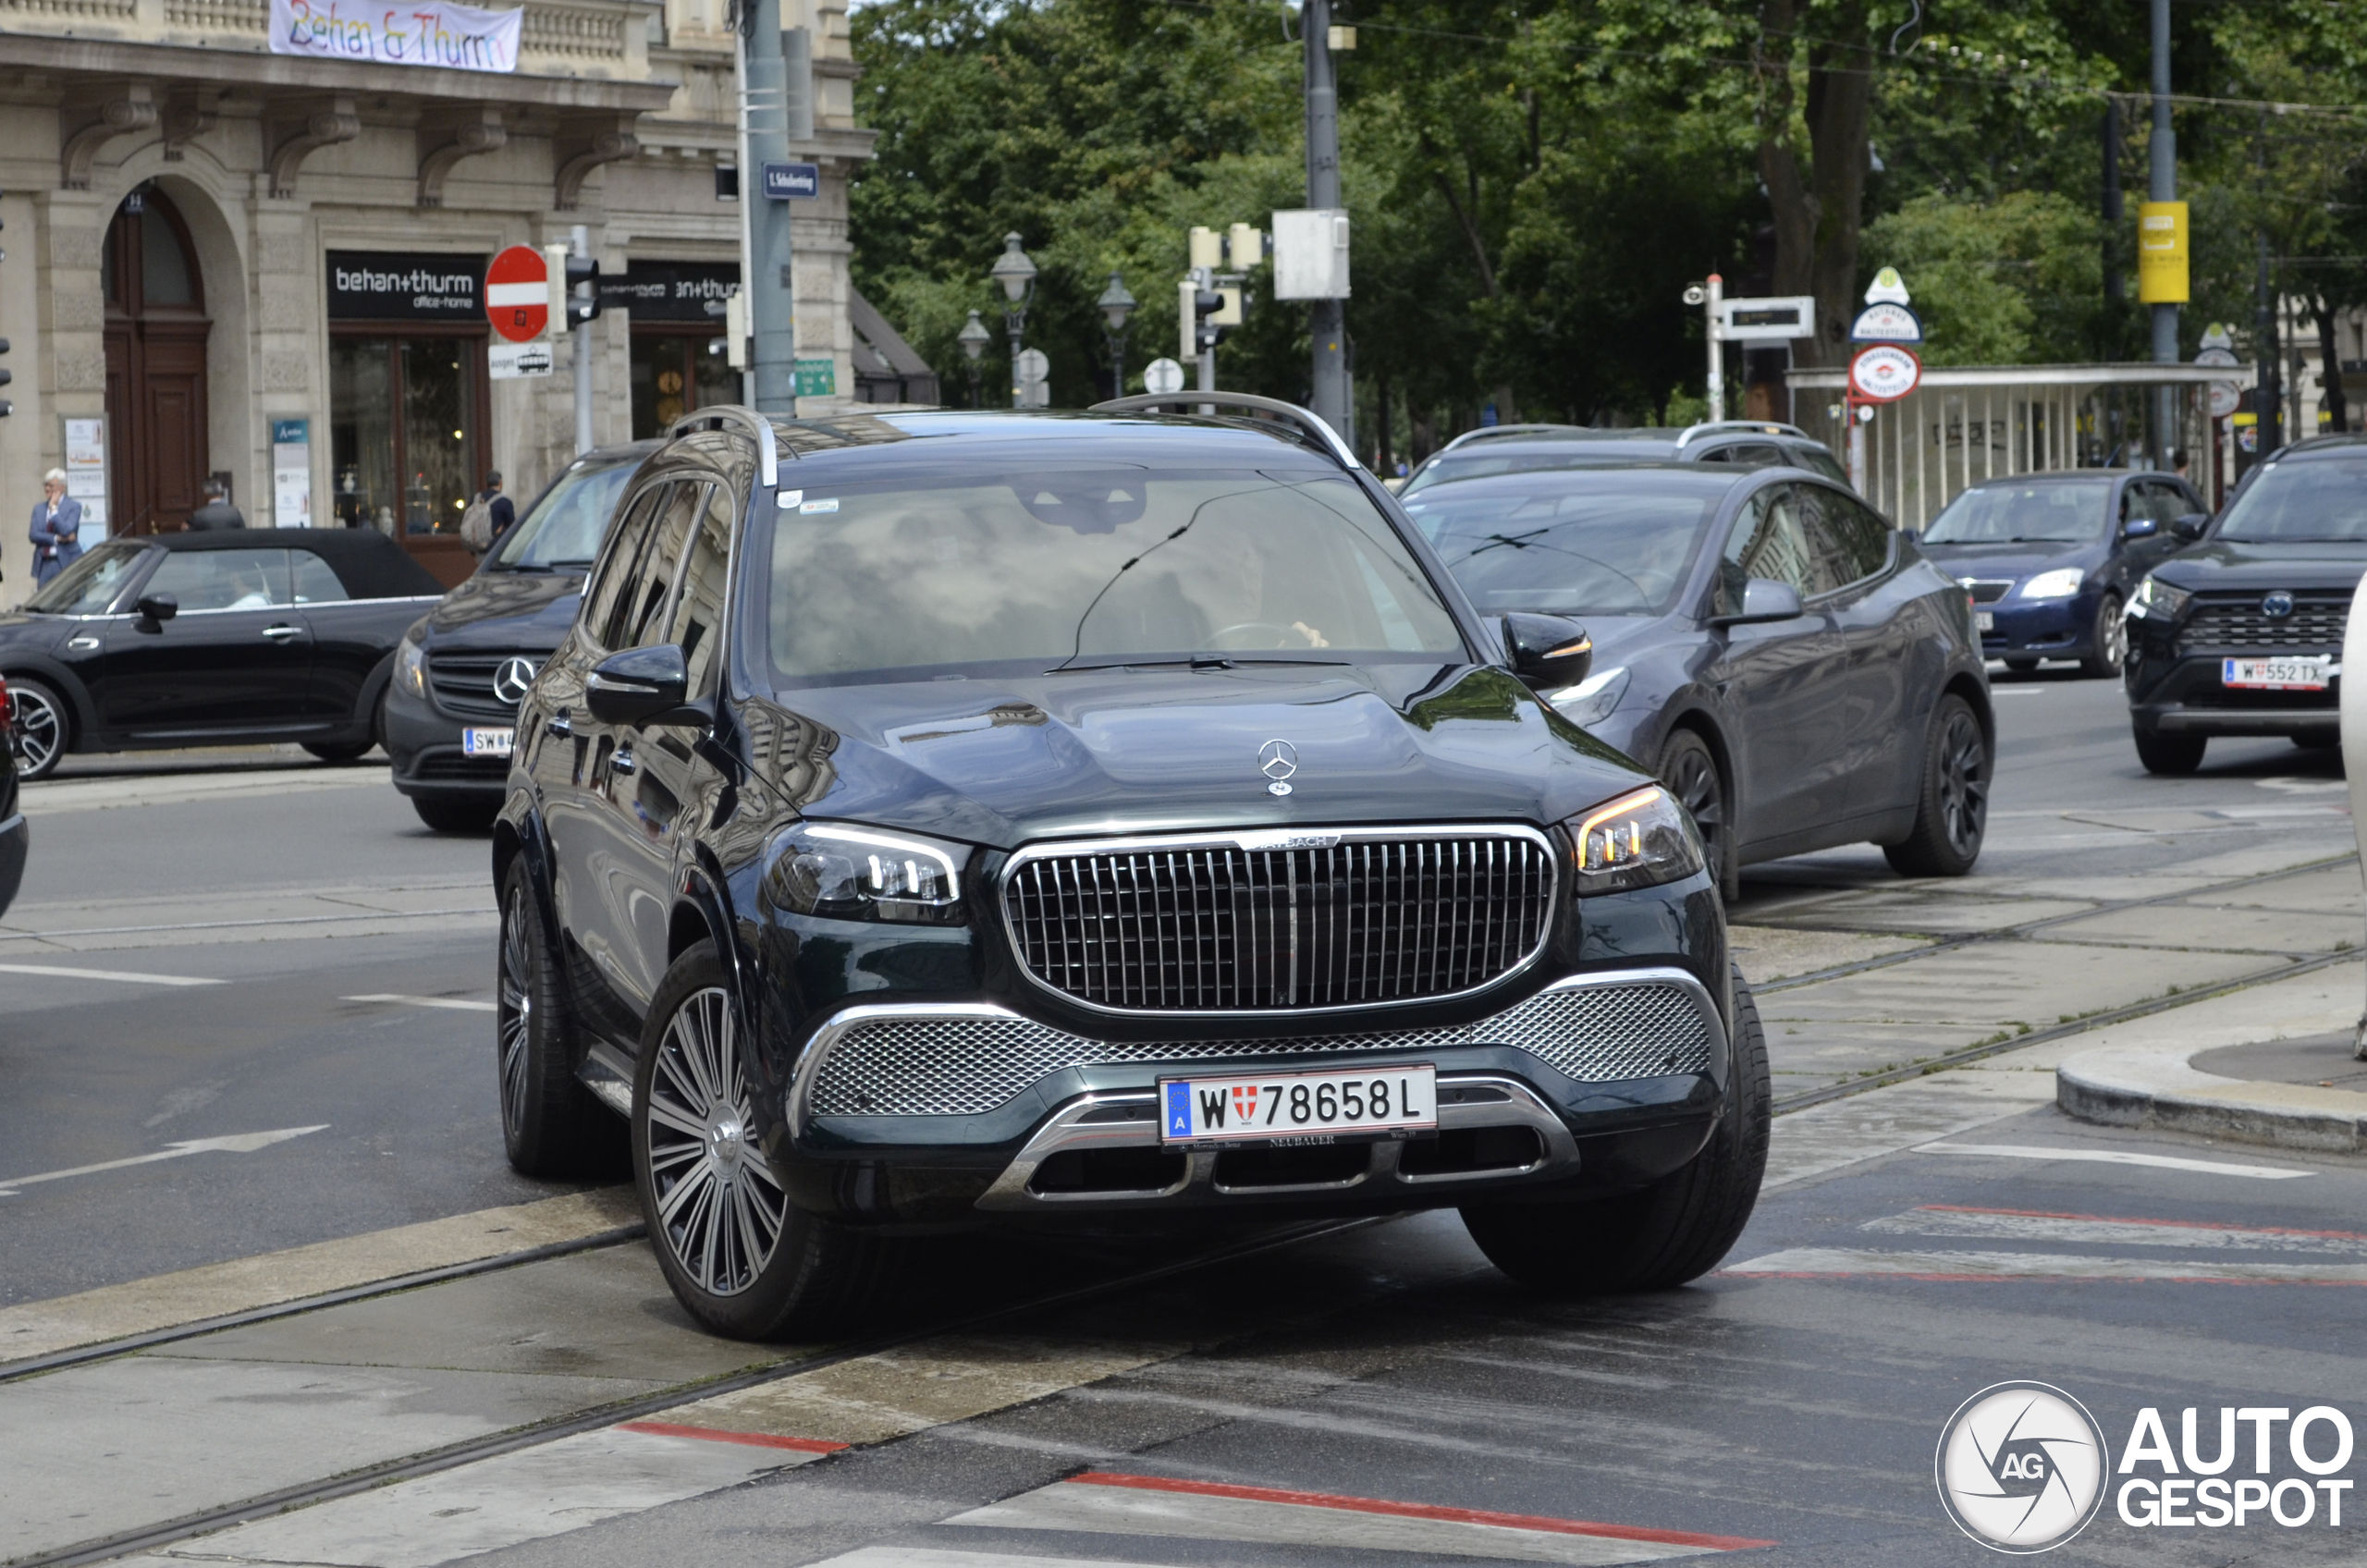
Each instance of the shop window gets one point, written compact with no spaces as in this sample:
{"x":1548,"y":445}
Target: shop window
{"x":675,"y":373}
{"x":406,"y":433}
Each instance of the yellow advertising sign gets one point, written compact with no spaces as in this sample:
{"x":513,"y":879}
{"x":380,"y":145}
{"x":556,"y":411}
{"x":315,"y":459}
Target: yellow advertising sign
{"x":2161,"y":252}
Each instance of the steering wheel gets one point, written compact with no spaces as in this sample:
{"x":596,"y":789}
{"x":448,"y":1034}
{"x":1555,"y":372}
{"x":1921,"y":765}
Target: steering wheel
{"x":1280,"y":633}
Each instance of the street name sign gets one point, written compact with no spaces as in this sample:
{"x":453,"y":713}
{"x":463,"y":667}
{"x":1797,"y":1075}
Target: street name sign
{"x":518,"y":294}
{"x":792,"y":182}
{"x":1884,"y":372}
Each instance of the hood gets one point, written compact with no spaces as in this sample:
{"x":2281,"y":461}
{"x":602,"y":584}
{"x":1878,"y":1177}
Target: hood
{"x":2028,"y":558}
{"x":22,"y":632}
{"x":1003,"y":763}
{"x":2228,"y":566}
{"x":526,"y":610}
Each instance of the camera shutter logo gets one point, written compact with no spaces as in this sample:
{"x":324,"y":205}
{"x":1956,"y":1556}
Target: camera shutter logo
{"x":2021,"y":1467}
{"x":2277,"y":605}
{"x":510,"y":681}
{"x":1278,"y":760}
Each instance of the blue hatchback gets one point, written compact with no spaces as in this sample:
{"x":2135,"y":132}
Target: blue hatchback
{"x":2051,"y":558}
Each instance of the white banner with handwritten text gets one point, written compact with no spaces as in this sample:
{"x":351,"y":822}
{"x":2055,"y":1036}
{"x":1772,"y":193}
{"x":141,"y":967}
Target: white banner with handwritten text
{"x":428,"y":34}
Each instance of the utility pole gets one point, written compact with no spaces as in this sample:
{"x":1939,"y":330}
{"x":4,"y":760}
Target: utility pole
{"x":578,"y":244}
{"x":2161,"y":188}
{"x":1717,"y":293}
{"x":776,"y":107}
{"x":1327,"y":318}
{"x":2268,"y":402}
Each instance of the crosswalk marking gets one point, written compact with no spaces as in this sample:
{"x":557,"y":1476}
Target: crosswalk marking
{"x":1814,"y":1262}
{"x":2022,"y":1225}
{"x":1201,"y":1511}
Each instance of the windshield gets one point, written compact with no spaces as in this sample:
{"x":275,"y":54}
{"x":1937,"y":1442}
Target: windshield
{"x":1568,"y":543}
{"x":92,"y":583}
{"x":1477,"y":466}
{"x":568,"y":524}
{"x":1089,"y":569}
{"x":2298,"y":502}
{"x":2059,"y":511}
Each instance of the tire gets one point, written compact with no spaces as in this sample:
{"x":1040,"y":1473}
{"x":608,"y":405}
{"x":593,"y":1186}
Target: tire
{"x":44,"y":731}
{"x":551,"y":1125}
{"x":461,"y":815}
{"x":347,"y":751}
{"x":2021,"y":667}
{"x":773,"y":1270}
{"x":1952,"y":803}
{"x":2110,"y":641}
{"x":1689,"y":770}
{"x":2173,"y":756}
{"x":1656,"y":1237}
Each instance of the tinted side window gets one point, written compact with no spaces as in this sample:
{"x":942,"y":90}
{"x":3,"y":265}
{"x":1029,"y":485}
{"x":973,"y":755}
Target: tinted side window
{"x":696,"y":622}
{"x":2170,"y":503}
{"x":1849,"y":534}
{"x":224,"y":580}
{"x":1769,"y":539}
{"x":1816,"y":459}
{"x":660,"y":564}
{"x":315,"y":584}
{"x":1748,"y":454}
{"x":606,"y":597}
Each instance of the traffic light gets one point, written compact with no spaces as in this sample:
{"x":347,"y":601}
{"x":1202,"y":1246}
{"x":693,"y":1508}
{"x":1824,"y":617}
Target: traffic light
{"x":583,"y":289}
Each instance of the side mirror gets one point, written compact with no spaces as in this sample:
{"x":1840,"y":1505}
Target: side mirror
{"x":639,"y":686}
{"x":2139,"y":528}
{"x":1763,"y":598}
{"x":2191,"y":526}
{"x":1547,"y":650}
{"x":159,"y":608}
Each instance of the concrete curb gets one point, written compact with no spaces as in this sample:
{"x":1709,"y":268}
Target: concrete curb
{"x":2156,"y":1086}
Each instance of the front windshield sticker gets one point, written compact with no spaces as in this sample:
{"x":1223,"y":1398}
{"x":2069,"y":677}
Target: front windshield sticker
{"x":808,"y":509}
{"x":790,"y":499}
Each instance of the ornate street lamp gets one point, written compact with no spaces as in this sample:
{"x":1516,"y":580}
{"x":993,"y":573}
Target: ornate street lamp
{"x":974,"y":338}
{"x":1116,"y":305}
{"x":1017,"y":275}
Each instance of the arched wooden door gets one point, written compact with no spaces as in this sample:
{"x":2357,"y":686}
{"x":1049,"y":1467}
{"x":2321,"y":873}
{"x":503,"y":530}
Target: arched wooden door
{"x":155,"y":337}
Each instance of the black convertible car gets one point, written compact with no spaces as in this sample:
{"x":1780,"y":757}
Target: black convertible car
{"x":212,"y":639}
{"x":944,"y":819}
{"x":2242,"y":635}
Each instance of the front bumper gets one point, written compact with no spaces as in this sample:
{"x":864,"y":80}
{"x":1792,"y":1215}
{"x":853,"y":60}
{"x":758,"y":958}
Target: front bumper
{"x":1013,"y":1115}
{"x":2044,"y":629}
{"x":425,"y":744}
{"x":2186,"y":697}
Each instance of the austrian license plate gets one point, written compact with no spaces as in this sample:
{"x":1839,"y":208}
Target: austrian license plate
{"x":1984,"y":620}
{"x":2277,"y":675}
{"x":487,"y":742}
{"x":1293,"y":1107}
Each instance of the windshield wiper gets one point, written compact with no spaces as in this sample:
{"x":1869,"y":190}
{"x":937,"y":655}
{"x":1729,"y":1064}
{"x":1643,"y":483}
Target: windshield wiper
{"x":1197,"y":661}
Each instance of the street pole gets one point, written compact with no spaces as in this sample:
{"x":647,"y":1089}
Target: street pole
{"x":579,"y":242}
{"x":2268,"y":410}
{"x":2161,"y":185}
{"x":1326,"y":319}
{"x":1717,"y":350}
{"x":769,"y":284}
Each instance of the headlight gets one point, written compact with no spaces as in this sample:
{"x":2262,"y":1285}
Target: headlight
{"x":1638,"y":840}
{"x":411,"y":667}
{"x":2158,"y":600}
{"x":1591,"y":700}
{"x":862,"y":873}
{"x":2060,"y":583}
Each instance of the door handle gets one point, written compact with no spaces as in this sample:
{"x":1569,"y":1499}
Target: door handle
{"x":561,"y":725}
{"x":83,"y":645}
{"x":282,"y":634}
{"x":622,"y":761}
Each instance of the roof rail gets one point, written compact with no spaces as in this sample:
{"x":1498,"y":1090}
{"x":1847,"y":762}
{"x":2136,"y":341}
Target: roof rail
{"x":1488,"y":432}
{"x":1763,"y":426}
{"x":1305,"y":419}
{"x":716,"y":416}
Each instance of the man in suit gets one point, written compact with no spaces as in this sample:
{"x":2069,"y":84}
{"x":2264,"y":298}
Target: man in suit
{"x":57,"y":527}
{"x":217,"y":512}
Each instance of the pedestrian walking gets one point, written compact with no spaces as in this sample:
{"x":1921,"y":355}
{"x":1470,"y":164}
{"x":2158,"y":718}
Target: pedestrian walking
{"x":57,"y":527}
{"x":488,"y":516}
{"x":217,"y":512}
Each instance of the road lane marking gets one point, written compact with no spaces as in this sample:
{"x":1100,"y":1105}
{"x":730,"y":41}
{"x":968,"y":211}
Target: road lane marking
{"x":271,"y":1279}
{"x":1152,"y":1505}
{"x":454,"y":1002}
{"x":241,"y":925}
{"x":65,"y":974}
{"x":236,"y":1142}
{"x":1801,"y":1263}
{"x":2118,"y":1156}
{"x":2028,"y":1225}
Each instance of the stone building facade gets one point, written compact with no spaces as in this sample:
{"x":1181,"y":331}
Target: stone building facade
{"x":266,"y":267}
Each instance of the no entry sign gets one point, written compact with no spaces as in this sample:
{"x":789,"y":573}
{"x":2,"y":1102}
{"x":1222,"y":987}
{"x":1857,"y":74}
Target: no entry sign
{"x":1884,"y":372}
{"x":518,"y":294}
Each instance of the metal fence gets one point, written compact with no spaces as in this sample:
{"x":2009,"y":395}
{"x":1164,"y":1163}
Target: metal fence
{"x":1967,"y":423}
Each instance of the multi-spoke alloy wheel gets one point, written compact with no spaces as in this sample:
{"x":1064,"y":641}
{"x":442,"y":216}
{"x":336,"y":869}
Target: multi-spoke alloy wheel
{"x":1952,"y":807}
{"x":550,"y":1124}
{"x":720,"y":1211}
{"x":2112,"y":641}
{"x":514,"y":1004}
{"x":740,"y":1257}
{"x":1691,"y":775}
{"x":40,"y":730}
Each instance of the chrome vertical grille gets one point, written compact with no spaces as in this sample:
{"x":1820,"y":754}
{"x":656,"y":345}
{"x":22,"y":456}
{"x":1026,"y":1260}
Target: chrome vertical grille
{"x":1316,"y":920}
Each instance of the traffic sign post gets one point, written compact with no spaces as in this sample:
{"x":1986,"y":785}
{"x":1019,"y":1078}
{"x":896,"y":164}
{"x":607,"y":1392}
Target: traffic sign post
{"x":518,"y":294}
